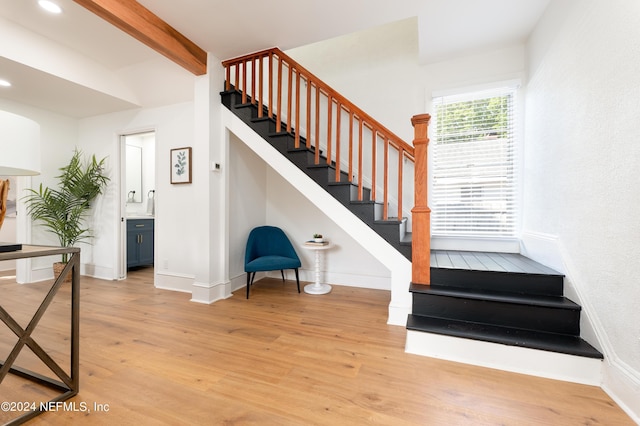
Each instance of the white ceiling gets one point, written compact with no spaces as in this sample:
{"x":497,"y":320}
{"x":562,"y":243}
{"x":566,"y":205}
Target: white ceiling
{"x":231,"y":28}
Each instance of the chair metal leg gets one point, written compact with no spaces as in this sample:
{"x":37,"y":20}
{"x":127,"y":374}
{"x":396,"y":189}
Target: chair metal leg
{"x":282,"y":273}
{"x":248,"y":283}
{"x":298,"y":280}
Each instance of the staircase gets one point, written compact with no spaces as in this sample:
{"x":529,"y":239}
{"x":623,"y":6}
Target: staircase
{"x":497,"y":310}
{"x":392,"y":229}
{"x":506,"y":299}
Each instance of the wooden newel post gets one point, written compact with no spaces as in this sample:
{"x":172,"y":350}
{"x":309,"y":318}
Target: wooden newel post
{"x":421,"y":213}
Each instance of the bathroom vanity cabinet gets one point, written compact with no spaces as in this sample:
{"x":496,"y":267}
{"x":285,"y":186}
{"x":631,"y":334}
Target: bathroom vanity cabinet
{"x":139,"y":242}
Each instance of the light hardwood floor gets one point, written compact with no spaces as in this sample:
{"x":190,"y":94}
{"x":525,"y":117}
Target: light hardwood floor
{"x":152,"y":357}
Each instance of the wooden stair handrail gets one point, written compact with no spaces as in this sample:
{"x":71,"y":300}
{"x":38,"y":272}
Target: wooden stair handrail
{"x":327,"y":90}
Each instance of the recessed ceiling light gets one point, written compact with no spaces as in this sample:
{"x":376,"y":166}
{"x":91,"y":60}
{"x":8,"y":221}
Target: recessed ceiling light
{"x":4,"y":83}
{"x":50,"y":6}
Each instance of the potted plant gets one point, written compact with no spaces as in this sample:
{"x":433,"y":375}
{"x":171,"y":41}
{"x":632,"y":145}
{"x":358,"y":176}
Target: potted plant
{"x":63,"y":210}
{"x":317,"y":238}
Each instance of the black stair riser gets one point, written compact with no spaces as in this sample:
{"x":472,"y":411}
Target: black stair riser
{"x":231,"y":98}
{"x":388,"y":231}
{"x":528,"y":317}
{"x":246,"y":112}
{"x":263,"y":125}
{"x":368,"y":212}
{"x":346,"y":192}
{"x":288,"y":142}
{"x":324,"y":173}
{"x":405,"y":250}
{"x":302,"y":158}
{"x":543,"y":285}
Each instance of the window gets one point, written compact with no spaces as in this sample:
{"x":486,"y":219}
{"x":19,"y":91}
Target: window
{"x":474,"y":191}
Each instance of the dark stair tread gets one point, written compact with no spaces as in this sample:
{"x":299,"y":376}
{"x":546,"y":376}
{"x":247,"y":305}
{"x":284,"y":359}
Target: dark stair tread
{"x":561,"y":343}
{"x":342,"y":182}
{"x":331,"y":168}
{"x":359,"y":202}
{"x":391,"y":221}
{"x":302,"y":148}
{"x":245,"y":105}
{"x":321,"y":165}
{"x":280,"y":133}
{"x":488,"y":261}
{"x":263,"y":118}
{"x":559,"y":302}
{"x":347,"y":183}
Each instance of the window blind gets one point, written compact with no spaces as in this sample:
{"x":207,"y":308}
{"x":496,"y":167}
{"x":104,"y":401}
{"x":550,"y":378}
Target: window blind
{"x":474,"y":188}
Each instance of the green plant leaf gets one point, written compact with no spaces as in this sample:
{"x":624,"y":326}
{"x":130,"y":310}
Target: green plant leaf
{"x":63,"y":210}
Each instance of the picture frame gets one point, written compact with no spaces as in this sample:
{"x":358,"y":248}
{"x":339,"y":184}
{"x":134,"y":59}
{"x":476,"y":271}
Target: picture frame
{"x":181,"y":165}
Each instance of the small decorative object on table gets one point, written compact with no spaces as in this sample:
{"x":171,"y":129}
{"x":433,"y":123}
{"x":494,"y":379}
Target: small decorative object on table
{"x":317,"y":240}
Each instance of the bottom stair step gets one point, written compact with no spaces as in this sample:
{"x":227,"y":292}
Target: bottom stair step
{"x":566,"y":344}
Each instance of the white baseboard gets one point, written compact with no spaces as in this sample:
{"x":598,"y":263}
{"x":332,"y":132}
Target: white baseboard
{"x":622,"y":384}
{"x":337,"y":278}
{"x":96,"y":271}
{"x":174,"y":282}
{"x":398,"y":314}
{"x":532,"y":362}
{"x":498,"y":245}
{"x":44,"y":273}
{"x":209,"y":293}
{"x":543,"y":248}
{"x":41,"y":274}
{"x":238,"y":282}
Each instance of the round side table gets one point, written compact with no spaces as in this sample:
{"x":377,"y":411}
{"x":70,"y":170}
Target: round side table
{"x":317,"y":287}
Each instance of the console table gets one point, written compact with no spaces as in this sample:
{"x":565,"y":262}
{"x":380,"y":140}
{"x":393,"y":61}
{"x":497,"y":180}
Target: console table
{"x":66,"y":383}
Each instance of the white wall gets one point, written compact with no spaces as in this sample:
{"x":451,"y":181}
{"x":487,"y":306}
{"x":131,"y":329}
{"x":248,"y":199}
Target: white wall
{"x":247,"y":202}
{"x":176,"y":236}
{"x":581,"y":178}
{"x":378,"y":70}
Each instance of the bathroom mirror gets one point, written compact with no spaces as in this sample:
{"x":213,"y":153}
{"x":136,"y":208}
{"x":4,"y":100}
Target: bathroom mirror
{"x":134,"y":174}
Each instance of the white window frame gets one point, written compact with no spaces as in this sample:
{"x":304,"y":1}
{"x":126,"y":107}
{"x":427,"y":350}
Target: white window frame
{"x":474,"y":241}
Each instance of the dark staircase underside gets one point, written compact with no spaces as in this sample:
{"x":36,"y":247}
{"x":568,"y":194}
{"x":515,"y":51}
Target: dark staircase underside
{"x":500,"y":298}
{"x":392,"y":230}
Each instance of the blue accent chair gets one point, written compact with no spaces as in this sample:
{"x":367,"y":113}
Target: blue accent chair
{"x":269,"y":249}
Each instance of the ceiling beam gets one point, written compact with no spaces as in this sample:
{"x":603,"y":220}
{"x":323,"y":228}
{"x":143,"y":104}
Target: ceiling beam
{"x":142,"y":24}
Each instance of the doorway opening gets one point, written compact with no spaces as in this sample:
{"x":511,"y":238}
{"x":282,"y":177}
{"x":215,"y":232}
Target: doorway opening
{"x":138,"y":195}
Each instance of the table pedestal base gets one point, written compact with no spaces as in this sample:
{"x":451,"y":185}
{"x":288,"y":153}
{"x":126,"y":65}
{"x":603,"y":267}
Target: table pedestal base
{"x":317,"y":288}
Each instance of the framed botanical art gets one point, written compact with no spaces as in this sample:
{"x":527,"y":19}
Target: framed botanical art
{"x":181,"y":165}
